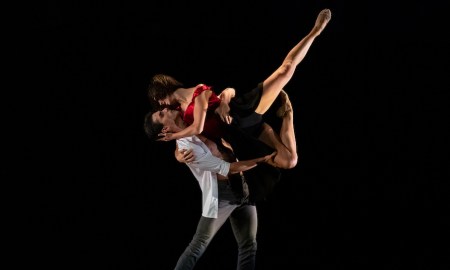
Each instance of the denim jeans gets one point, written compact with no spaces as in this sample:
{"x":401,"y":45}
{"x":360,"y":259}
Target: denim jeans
{"x":243,"y":220}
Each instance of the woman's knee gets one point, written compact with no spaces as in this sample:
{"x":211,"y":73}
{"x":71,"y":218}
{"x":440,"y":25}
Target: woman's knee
{"x":288,"y":162}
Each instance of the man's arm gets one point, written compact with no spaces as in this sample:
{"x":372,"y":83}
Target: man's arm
{"x":184,"y":155}
{"x":245,"y":165}
{"x":202,"y":158}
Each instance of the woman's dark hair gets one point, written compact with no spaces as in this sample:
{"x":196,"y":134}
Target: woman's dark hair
{"x":160,"y":87}
{"x":151,"y":128}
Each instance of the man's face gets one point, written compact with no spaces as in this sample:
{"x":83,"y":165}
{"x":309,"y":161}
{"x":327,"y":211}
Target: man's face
{"x":165,"y":117}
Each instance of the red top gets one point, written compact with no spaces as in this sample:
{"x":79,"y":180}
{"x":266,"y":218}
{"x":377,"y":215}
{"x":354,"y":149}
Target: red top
{"x":212,"y":128}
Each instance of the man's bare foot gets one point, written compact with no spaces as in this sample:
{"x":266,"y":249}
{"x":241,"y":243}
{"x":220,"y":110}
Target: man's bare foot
{"x":286,"y":105}
{"x":322,"y":20}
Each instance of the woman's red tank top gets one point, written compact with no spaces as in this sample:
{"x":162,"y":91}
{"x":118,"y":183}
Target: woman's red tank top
{"x":212,"y":128}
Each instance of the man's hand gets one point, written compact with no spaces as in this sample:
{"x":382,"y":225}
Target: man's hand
{"x":270,"y":159}
{"x":184,"y":155}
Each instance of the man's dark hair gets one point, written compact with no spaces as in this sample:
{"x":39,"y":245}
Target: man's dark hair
{"x":151,"y":128}
{"x":160,"y":87}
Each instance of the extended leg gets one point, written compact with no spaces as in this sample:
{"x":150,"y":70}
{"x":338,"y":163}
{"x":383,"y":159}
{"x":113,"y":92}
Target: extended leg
{"x":277,"y":80}
{"x":285,"y":143}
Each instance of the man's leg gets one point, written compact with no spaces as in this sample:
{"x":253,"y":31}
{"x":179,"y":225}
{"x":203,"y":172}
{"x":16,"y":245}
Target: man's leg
{"x":244,"y":223}
{"x":206,"y":230}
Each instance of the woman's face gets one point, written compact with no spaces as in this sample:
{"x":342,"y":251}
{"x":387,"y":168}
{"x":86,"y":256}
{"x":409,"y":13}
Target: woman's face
{"x":164,"y":101}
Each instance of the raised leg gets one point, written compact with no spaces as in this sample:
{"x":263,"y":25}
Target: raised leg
{"x":277,"y":80}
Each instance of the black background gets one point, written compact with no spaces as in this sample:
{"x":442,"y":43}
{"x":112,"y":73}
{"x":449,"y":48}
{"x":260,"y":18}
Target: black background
{"x":369,"y":101}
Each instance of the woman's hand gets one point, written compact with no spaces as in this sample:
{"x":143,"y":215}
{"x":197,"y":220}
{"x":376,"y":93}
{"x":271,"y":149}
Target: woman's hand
{"x":165,"y":136}
{"x":224,"y":112}
{"x":224,"y":109}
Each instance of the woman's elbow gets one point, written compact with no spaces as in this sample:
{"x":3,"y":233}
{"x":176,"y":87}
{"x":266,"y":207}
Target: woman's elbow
{"x":231,"y":91}
{"x":197,"y":130}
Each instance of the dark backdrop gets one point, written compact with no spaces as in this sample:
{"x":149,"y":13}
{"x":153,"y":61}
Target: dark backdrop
{"x":369,"y":101}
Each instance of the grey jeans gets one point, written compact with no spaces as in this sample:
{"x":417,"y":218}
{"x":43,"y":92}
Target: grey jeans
{"x":244,"y":222}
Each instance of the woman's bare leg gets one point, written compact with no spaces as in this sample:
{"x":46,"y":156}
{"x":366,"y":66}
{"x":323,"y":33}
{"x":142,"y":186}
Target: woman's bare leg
{"x":277,"y":80}
{"x":285,"y":144}
{"x":287,"y":132}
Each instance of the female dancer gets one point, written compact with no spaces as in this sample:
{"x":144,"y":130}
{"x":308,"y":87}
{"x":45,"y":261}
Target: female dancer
{"x":199,"y":104}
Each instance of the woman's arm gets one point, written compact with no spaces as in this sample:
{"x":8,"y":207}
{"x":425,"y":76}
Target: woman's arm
{"x":224,"y":109}
{"x":200,"y":109}
{"x":227,"y":94}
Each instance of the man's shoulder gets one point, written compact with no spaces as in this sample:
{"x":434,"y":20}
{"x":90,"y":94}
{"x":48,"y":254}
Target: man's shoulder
{"x":190,"y":140}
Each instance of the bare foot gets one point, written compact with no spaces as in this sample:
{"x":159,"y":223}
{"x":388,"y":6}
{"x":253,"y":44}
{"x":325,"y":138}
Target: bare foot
{"x":322,"y":20}
{"x":286,"y":105}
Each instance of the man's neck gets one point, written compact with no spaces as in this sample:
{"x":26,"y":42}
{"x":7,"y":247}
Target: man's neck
{"x":180,"y":125}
